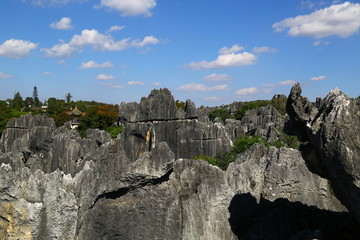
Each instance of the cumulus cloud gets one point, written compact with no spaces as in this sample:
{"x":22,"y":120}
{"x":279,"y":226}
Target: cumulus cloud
{"x":234,"y":49}
{"x":97,"y":41}
{"x":115,"y":28}
{"x":62,"y":24}
{"x":104,"y":77}
{"x":251,"y":91}
{"x":228,"y":57}
{"x":146,"y":41}
{"x":15,"y":48}
{"x":4,"y":75}
{"x":319,"y":78}
{"x":342,"y":20}
{"x":46,"y":73}
{"x":263,"y":49}
{"x":92,"y":64}
{"x":62,"y":50}
{"x":198,"y":87}
{"x":112,"y":85}
{"x":130,"y":8}
{"x":136,"y":83}
{"x":287,"y":82}
{"x":214,"y":77}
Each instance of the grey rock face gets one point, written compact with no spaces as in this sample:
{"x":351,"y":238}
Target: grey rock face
{"x":137,"y":187}
{"x":331,"y":141}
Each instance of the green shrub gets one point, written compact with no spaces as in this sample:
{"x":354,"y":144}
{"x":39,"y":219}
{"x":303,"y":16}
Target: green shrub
{"x":221,"y":113}
{"x":114,"y":131}
{"x":180,"y":104}
{"x":249,"y":106}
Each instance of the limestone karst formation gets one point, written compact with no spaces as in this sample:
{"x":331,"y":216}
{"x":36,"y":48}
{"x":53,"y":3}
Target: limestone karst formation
{"x":145,"y":184}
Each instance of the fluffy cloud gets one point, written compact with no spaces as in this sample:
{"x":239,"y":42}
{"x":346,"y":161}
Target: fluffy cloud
{"x":15,"y":48}
{"x":104,"y":77}
{"x":263,"y":49}
{"x":288,"y":82}
{"x":214,"y":77}
{"x":46,"y":73}
{"x":342,"y":20}
{"x":251,"y":91}
{"x":198,"y":87}
{"x":234,"y":49}
{"x":115,"y":28}
{"x":136,"y":83}
{"x":52,"y":3}
{"x":228,"y":57}
{"x":319,"y":78}
{"x":130,"y":8}
{"x":211,"y":98}
{"x":62,"y":24}
{"x":98,"y":42}
{"x":62,"y":50}
{"x":146,"y":41}
{"x":156,"y":84}
{"x":92,"y":64}
{"x":4,"y":75}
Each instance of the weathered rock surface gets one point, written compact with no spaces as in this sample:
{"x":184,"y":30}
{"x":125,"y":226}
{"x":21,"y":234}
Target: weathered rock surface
{"x":60,"y":186}
{"x":331,"y":143}
{"x":188,"y":132}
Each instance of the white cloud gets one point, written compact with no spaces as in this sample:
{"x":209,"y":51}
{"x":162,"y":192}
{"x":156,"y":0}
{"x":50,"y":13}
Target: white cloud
{"x":46,"y":73}
{"x":156,"y":84}
{"x":4,"y":75}
{"x":115,"y":28}
{"x":263,"y":49}
{"x":198,"y":87}
{"x":234,"y":49}
{"x":319,"y":42}
{"x":130,"y":8}
{"x":228,"y":58}
{"x":214,"y":77}
{"x":92,"y":64}
{"x":146,"y":41}
{"x":98,"y":42}
{"x":52,"y":3}
{"x":319,"y":78}
{"x":136,"y":83}
{"x":342,"y":20}
{"x":62,"y":50}
{"x":62,"y":24}
{"x":288,"y":82}
{"x":112,"y":85}
{"x":212,"y":98}
{"x":247,"y":91}
{"x":15,"y":48}
{"x":104,"y":77}
{"x":252,"y":91}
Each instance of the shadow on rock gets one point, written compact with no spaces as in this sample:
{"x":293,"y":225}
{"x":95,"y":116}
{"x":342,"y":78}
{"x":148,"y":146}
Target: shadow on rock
{"x":283,"y":219}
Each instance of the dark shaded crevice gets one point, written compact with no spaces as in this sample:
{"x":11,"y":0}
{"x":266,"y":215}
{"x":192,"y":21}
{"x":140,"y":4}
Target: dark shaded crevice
{"x":283,"y":220}
{"x":141,"y":182}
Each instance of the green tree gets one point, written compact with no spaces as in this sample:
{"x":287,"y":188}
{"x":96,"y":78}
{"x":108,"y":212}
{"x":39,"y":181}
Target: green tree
{"x":68,"y":97}
{"x":17,"y":103}
{"x":221,"y":113}
{"x":36,"y":97}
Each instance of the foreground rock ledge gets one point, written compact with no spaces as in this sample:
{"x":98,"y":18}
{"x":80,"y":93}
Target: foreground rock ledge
{"x":329,"y":131}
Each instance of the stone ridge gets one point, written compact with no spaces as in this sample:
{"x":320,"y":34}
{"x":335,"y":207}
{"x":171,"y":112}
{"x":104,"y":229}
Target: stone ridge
{"x":329,"y":132}
{"x":56,"y":185}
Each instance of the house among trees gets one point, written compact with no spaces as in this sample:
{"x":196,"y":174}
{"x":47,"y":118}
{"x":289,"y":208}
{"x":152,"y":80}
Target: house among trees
{"x":75,"y":113}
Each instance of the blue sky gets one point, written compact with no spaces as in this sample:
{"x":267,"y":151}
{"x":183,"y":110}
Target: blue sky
{"x":213,"y":52}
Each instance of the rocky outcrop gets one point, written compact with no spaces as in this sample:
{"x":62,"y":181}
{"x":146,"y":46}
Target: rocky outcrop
{"x":137,"y":187}
{"x":189,"y":132}
{"x":329,"y":133}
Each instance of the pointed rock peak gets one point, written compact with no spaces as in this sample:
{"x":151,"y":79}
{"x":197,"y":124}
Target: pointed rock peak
{"x":296,"y":90}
